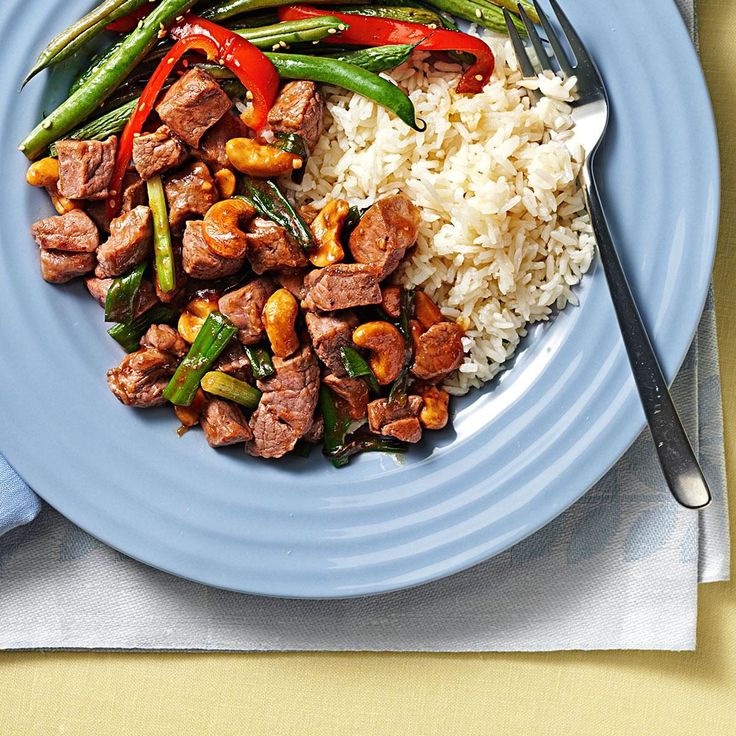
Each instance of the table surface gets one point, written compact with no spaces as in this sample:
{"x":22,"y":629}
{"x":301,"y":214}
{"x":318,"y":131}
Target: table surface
{"x":596,"y":693}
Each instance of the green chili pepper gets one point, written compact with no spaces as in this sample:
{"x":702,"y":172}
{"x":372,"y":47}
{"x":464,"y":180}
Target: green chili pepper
{"x":122,"y":296}
{"x":227,"y":387}
{"x":261,"y":364}
{"x":294,"y":143}
{"x":364,"y":442}
{"x":128,"y":335}
{"x":267,"y":199}
{"x":356,"y":367}
{"x":110,"y":75}
{"x":350,"y":77}
{"x":336,"y":425}
{"x":73,"y":37}
{"x":162,"y":250}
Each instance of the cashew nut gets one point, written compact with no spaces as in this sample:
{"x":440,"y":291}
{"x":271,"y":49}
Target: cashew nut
{"x":225,"y":181}
{"x":189,"y":415}
{"x":221,"y":228}
{"x":43,"y":173}
{"x":386,"y":346}
{"x":279,"y":317}
{"x":326,"y":229}
{"x":426,"y":311}
{"x":254,"y":159}
{"x":434,"y":413}
{"x":194,"y":315}
{"x":391,"y":301}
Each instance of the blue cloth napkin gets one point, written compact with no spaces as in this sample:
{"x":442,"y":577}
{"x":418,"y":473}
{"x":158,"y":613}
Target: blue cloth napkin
{"x":18,"y":503}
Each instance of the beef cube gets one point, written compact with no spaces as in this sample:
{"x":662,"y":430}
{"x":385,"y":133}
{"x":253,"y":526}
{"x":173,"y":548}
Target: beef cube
{"x":189,"y":194}
{"x":384,"y":233}
{"x":58,"y":267}
{"x":141,"y":377}
{"x":235,"y":362}
{"x":292,"y":280}
{"x":341,"y":286}
{"x":130,"y":242}
{"x":298,"y":109}
{"x":98,"y":288}
{"x":354,"y":391}
{"x":212,"y":146}
{"x":399,"y":420}
{"x":199,"y":262}
{"x":224,"y":423}
{"x":72,"y":232}
{"x":329,"y":333}
{"x":85,"y":167}
{"x":244,"y":307}
{"x":192,"y":105}
{"x":286,"y":410}
{"x":165,"y":339}
{"x":271,"y":248}
{"x":154,"y":153}
{"x":316,"y":431}
{"x":439,"y":351}
{"x":134,"y":195}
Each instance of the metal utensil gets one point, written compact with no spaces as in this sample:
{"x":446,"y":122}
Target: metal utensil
{"x":590,"y":113}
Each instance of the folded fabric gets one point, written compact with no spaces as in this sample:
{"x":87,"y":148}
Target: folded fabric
{"x":18,"y":503}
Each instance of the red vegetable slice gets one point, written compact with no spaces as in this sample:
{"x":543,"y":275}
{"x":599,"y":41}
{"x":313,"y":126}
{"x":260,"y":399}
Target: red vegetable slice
{"x":130,"y":21}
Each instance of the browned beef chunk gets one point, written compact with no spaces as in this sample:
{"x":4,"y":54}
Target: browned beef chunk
{"x":439,"y":351}
{"x":391,"y":301}
{"x":165,"y":339}
{"x":316,"y":431}
{"x":298,"y":109}
{"x":341,"y":286}
{"x":329,"y":333}
{"x":224,"y":423}
{"x":354,"y":391}
{"x":293,"y":281}
{"x":181,"y":277}
{"x":73,"y":232}
{"x":234,"y":362}
{"x":395,"y":419}
{"x":131,"y":237}
{"x":189,"y":194}
{"x":199,"y":262}
{"x":154,"y":153}
{"x":192,"y":105}
{"x":271,"y":248}
{"x":384,"y":233}
{"x":243,"y":307}
{"x":85,"y":167}
{"x":212,"y":146}
{"x":134,"y":194}
{"x":58,"y":267}
{"x":98,"y":288}
{"x":141,"y":377}
{"x":286,"y":410}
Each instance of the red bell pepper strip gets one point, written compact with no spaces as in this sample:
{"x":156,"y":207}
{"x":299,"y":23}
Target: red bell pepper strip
{"x":130,"y":21}
{"x":372,"y":31}
{"x":219,"y":44}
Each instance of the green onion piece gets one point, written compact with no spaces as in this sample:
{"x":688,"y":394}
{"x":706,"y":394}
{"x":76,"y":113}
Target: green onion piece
{"x":406,"y":314}
{"x":162,"y":250}
{"x":336,"y":425}
{"x":268,"y":201}
{"x":294,"y":143}
{"x":261,"y":364}
{"x":128,"y":335}
{"x":227,"y":387}
{"x":365,"y":443}
{"x":211,"y":340}
{"x":122,"y":296}
{"x":351,"y":221}
{"x":398,"y":392}
{"x":356,"y":367}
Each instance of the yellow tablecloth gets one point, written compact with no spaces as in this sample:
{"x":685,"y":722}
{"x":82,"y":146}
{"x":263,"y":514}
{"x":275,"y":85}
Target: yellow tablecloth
{"x":596,"y":694}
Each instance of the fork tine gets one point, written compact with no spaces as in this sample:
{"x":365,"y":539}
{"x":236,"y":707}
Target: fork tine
{"x":576,"y":44}
{"x":531,"y":30}
{"x":560,"y":53}
{"x":525,"y":63}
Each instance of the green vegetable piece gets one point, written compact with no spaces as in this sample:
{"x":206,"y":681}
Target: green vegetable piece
{"x":481,"y":12}
{"x":230,"y":8}
{"x":336,"y":425}
{"x":294,"y":143}
{"x":162,"y":250}
{"x":377,"y":58}
{"x":128,"y":335}
{"x":211,"y":340}
{"x":122,"y":296}
{"x":356,"y":367}
{"x":261,"y":364}
{"x":365,"y":442}
{"x":225,"y":386}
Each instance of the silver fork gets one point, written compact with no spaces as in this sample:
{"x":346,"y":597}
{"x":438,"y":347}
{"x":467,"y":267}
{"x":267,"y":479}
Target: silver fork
{"x":590,"y":113}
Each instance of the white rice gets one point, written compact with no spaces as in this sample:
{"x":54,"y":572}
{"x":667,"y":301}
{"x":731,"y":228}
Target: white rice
{"x":504,"y":235}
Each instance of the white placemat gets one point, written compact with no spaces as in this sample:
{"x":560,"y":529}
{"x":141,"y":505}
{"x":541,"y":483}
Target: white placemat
{"x":618,"y":570}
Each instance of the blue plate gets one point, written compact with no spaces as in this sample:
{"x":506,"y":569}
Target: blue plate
{"x":519,"y":453}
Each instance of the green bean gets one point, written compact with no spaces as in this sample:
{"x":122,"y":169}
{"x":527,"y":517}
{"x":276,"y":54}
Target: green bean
{"x":226,"y":387}
{"x":376,"y":58}
{"x":230,"y":8}
{"x":128,"y":334}
{"x":350,"y":77}
{"x":478,"y":11}
{"x":95,"y":63}
{"x":425,"y":16}
{"x":71,"y":38}
{"x":110,"y":75}
{"x":162,"y":251}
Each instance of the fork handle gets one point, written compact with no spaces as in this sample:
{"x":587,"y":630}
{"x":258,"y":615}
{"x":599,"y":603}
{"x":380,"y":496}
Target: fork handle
{"x":679,"y":464}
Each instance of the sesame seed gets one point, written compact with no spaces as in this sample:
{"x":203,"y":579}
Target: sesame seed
{"x":113,"y":193}
{"x":478,"y":13}
{"x":142,"y":106}
{"x":140,"y":23}
{"x":248,"y":95}
{"x":342,"y":27}
{"x":332,"y":30}
{"x":170,"y":61}
{"x":479,"y":77}
{"x":275,"y":47}
{"x":297,"y":163}
{"x":433,"y":26}
{"x":314,"y":43}
{"x":283,"y":44}
{"x":46,"y":124}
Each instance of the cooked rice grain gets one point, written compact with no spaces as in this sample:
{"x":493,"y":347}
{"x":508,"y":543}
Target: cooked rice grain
{"x":504,"y":234}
